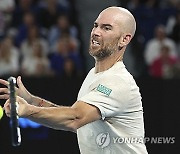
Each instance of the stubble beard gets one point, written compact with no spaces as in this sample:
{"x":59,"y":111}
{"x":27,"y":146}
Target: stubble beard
{"x":103,"y":51}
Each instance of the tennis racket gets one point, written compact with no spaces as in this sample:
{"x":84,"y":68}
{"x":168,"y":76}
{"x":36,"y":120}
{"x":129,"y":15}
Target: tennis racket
{"x":14,"y":119}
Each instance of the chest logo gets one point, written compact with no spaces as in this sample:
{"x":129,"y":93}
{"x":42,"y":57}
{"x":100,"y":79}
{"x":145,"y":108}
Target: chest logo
{"x":104,"y":89}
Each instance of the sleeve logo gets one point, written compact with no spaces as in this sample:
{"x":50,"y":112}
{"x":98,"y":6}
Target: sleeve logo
{"x":104,"y":90}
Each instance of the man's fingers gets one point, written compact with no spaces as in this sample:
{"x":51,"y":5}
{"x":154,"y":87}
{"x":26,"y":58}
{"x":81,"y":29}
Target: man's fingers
{"x":7,"y":108}
{"x":19,"y":82}
{"x":4,"y":90}
{"x":4,"y":82}
{"x":6,"y":104}
{"x":4,"y":96}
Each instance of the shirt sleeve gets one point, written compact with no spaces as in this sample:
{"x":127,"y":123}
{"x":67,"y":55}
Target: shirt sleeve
{"x":109,"y":95}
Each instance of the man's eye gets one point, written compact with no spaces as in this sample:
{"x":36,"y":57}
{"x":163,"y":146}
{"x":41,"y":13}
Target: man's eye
{"x":107,"y":28}
{"x":95,"y":25}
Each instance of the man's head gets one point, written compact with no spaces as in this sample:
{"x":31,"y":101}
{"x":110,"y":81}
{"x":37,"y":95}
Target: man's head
{"x":112,"y":32}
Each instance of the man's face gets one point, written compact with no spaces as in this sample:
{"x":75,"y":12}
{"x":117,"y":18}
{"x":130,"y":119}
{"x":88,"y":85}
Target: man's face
{"x":105,"y":36}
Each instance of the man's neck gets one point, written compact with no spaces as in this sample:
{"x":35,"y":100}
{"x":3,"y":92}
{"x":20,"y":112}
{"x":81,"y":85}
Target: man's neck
{"x":105,"y":64}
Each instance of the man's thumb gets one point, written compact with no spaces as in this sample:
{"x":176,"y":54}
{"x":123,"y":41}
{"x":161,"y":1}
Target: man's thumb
{"x":19,"y":82}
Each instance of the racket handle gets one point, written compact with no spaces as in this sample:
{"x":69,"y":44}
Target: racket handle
{"x":15,"y":131}
{"x":14,"y":119}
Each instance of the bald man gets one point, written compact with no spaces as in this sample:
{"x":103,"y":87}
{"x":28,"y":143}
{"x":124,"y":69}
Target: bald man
{"x":108,"y":114}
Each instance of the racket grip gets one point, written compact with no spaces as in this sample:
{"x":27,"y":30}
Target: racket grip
{"x":15,"y":130}
{"x":14,"y":118}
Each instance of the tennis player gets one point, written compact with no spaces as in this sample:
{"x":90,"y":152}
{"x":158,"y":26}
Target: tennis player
{"x":108,"y":114}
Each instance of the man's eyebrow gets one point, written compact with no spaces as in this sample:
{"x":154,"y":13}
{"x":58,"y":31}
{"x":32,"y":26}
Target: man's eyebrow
{"x":107,"y":25}
{"x":95,"y":23}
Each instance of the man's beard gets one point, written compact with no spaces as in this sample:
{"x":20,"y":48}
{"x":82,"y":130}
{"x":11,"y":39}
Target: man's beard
{"x":104,"y":51}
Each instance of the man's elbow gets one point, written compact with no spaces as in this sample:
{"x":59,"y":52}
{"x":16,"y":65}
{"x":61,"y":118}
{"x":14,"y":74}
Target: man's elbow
{"x":73,"y":125}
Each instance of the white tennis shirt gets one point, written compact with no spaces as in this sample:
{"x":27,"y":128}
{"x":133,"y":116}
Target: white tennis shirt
{"x":121,"y":129}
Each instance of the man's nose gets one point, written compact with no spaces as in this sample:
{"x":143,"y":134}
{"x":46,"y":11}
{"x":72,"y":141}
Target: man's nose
{"x":96,"y":31}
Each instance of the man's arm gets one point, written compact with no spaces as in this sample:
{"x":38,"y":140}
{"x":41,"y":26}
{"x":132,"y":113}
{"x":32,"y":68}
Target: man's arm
{"x":62,"y":118}
{"x":37,"y":101}
{"x":65,"y":118}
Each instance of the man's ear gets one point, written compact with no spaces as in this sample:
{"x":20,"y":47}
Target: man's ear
{"x":124,"y":40}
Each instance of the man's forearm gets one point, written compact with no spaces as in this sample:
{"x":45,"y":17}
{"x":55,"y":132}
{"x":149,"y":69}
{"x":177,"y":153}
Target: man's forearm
{"x":62,"y":118}
{"x":37,"y":101}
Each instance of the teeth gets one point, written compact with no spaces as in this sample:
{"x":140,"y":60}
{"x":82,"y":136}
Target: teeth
{"x":95,"y":42}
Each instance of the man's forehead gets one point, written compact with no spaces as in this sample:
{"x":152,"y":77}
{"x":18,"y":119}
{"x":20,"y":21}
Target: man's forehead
{"x":107,"y":20}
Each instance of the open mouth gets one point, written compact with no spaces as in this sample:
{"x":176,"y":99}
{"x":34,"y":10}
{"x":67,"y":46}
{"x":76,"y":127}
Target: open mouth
{"x":95,"y":42}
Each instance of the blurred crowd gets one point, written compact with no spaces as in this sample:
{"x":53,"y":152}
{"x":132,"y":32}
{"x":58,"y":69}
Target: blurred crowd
{"x":156,"y":46}
{"x":41,"y":38}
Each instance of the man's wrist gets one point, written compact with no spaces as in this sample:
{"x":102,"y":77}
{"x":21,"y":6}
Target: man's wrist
{"x":30,"y":99}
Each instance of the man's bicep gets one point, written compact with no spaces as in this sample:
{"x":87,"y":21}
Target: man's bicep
{"x":86,"y":113}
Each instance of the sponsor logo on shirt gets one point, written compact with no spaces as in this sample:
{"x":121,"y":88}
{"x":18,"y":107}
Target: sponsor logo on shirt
{"x":104,"y":89}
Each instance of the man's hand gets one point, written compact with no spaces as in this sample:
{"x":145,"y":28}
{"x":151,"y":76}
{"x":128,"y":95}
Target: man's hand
{"x":23,"y":107}
{"x":20,"y":90}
